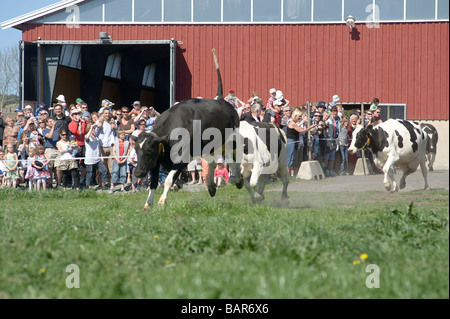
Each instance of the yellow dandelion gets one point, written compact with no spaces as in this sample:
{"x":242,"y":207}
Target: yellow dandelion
{"x":356,"y":262}
{"x":42,"y":271}
{"x":167,"y":262}
{"x":267,"y":242}
{"x":156,"y":236}
{"x":364,"y":256}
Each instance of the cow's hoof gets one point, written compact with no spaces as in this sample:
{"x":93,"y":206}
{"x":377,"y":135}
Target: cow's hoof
{"x":162,"y":202}
{"x":212,"y":191}
{"x":240,"y":184}
{"x":427,"y":189}
{"x":431,"y":169}
{"x":285,"y":203}
{"x":146,"y":207}
{"x":396,"y":188}
{"x":387,"y":186}
{"x":402,"y":185}
{"x":259,"y":198}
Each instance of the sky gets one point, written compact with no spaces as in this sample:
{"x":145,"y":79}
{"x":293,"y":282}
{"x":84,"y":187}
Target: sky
{"x":11,"y":9}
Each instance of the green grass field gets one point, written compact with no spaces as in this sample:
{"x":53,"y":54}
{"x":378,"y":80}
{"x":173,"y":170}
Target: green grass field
{"x":198,"y":247}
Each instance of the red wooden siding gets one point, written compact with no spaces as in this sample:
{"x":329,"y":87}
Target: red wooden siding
{"x":398,"y":62}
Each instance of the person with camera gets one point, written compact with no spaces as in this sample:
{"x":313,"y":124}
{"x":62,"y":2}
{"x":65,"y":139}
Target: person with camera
{"x":331,"y":136}
{"x":94,"y":163}
{"x":51,"y":136}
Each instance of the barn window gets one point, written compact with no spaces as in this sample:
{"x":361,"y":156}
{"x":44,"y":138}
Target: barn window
{"x":296,"y":10}
{"x":443,"y":9}
{"x":390,"y":9}
{"x":327,"y":10}
{"x":357,"y":9}
{"x":207,"y":10}
{"x":266,"y":10}
{"x":114,"y":66}
{"x":118,"y":10}
{"x":71,"y":56}
{"x":236,"y":11}
{"x":147,"y":10}
{"x":177,"y":11}
{"x":149,"y":78}
{"x":420,"y":9}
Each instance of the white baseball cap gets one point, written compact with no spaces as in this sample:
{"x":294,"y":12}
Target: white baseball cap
{"x":28,"y":107}
{"x":272,"y":91}
{"x":61,"y":98}
{"x":279,"y":95}
{"x":336,"y":98}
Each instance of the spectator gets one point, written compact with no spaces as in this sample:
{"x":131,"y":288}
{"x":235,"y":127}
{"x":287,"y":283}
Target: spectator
{"x":121,"y":151}
{"x":23,"y":146}
{"x":254,"y":116}
{"x":377,"y":115}
{"x":374,"y":104}
{"x":11,"y":163}
{"x":40,"y":163}
{"x":336,"y":99}
{"x":343,"y":147}
{"x":221,"y":174}
{"x":272,"y":99}
{"x":31,"y":170}
{"x":367,"y":117}
{"x":245,"y":111}
{"x":106,"y":104}
{"x":285,"y":119}
{"x":125,"y":123}
{"x":262,"y":114}
{"x":331,"y":135}
{"x":41,"y":125}
{"x":61,"y":120}
{"x":352,"y":158}
{"x":254,"y":99}
{"x":41,"y":107}
{"x":78,"y":129}
{"x":140,"y":129}
{"x":106,"y":135}
{"x":68,"y":166}
{"x":293,"y":133}
{"x":28,"y":112}
{"x":280,"y":97}
{"x":84,"y":107}
{"x":2,"y":129}
{"x":11,"y":133}
{"x":321,"y":107}
{"x":33,"y":134}
{"x":315,"y":135}
{"x":136,"y":183}
{"x":51,"y":136}
{"x":193,"y":167}
{"x":3,"y":168}
{"x":234,"y":100}
{"x":301,"y":152}
{"x":94,"y":164}
{"x":136,"y":108}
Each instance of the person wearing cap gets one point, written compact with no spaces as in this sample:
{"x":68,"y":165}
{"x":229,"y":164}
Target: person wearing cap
{"x":78,"y":129}
{"x":79,"y":102}
{"x":233,"y":99}
{"x":136,"y":108}
{"x":280,"y":97}
{"x":272,"y":99}
{"x":41,"y":107}
{"x":321,"y":107}
{"x":221,"y":174}
{"x":28,"y":111}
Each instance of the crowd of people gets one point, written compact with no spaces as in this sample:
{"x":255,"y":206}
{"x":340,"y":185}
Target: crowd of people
{"x":77,"y":149}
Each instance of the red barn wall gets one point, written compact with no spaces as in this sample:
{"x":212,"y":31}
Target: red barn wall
{"x":397,"y":62}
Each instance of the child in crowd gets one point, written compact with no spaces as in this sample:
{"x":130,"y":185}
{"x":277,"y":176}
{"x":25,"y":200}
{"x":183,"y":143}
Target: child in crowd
{"x":221,"y":173}
{"x":343,"y":146}
{"x":40,"y":163}
{"x":12,"y":163}
{"x":30,"y":169}
{"x":121,"y":151}
{"x":3,"y":168}
{"x":136,"y":183}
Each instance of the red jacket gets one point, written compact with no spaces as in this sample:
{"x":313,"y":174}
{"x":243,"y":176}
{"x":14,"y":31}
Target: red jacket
{"x":73,"y":128}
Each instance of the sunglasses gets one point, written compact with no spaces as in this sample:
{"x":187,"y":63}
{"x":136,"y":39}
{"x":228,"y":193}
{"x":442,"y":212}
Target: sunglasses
{"x":63,"y":134}
{"x":124,"y":112}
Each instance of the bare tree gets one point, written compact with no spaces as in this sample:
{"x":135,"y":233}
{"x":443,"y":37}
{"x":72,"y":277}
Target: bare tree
{"x":9,"y":74}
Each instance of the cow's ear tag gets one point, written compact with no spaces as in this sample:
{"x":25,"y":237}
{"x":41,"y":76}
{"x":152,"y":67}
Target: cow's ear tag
{"x":160,"y":149}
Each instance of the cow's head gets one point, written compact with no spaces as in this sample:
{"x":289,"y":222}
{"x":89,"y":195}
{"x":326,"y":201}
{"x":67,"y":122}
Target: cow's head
{"x":149,"y":147}
{"x":360,"y":138}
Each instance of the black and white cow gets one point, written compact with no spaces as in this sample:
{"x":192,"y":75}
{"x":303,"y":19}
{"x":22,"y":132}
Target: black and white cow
{"x":394,"y":142}
{"x":156,"y":148}
{"x":264,"y":153}
{"x":432,"y":133}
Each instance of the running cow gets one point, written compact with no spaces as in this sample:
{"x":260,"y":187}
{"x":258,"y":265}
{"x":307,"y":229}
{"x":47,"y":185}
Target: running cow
{"x":394,"y":142}
{"x":432,"y":133}
{"x":163,"y":145}
{"x":264,"y":152}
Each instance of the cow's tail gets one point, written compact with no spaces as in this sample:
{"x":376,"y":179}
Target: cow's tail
{"x":220,"y":87}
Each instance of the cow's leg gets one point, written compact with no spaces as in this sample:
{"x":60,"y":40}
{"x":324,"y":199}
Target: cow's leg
{"x":260,"y":188}
{"x":423,"y":167}
{"x":256,"y":173}
{"x":154,"y":176}
{"x":238,"y":178}
{"x":170,"y":179}
{"x":389,"y":174}
{"x":406,"y":171}
{"x":431,"y":159}
{"x":282,"y":170}
{"x":210,"y":181}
